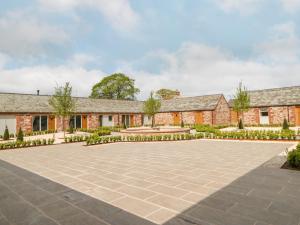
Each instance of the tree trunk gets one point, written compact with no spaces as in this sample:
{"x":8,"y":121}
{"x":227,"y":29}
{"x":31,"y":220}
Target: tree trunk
{"x":153,"y":121}
{"x":63,"y":125}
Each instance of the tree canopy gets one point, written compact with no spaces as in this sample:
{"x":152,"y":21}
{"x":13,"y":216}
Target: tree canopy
{"x":115,"y":86}
{"x":166,"y":94}
{"x":151,"y":107}
{"x":241,"y":101}
{"x":62,"y":102}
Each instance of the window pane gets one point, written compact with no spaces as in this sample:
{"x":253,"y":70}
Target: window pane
{"x":44,"y":122}
{"x":72,"y":122}
{"x":109,"y":118}
{"x":78,"y":121}
{"x":36,"y":123}
{"x":264,"y":114}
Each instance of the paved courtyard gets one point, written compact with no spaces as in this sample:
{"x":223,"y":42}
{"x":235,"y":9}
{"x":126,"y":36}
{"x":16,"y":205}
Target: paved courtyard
{"x":189,"y":182}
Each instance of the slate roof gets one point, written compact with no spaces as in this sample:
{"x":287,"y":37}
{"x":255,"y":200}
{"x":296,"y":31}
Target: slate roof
{"x":27,"y":103}
{"x":286,"y":96}
{"x":205,"y":102}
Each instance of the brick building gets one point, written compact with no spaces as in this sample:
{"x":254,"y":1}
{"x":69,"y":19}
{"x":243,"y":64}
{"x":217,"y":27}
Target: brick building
{"x":271,"y":106}
{"x":33,"y":113}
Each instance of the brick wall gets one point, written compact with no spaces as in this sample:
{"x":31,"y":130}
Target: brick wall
{"x":117,"y":119}
{"x":278,"y":114}
{"x":93,"y":121}
{"x":164,"y":119}
{"x":251,"y":117}
{"x":25,"y":122}
{"x":188,"y":117}
{"x":221,"y":114}
{"x":59,"y":124}
{"x":207,"y":117}
{"x":137,"y":119}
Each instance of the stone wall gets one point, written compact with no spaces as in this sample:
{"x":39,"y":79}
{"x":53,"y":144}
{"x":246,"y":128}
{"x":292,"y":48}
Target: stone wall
{"x":164,"y":119}
{"x":25,"y":122}
{"x":93,"y":121}
{"x":221,"y":114}
{"x":251,"y":117}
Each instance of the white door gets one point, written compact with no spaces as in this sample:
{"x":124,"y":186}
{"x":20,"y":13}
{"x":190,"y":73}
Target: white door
{"x":9,"y":121}
{"x":264,"y":117}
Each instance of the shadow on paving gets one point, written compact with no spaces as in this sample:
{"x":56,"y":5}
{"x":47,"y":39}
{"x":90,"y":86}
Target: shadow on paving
{"x":29,"y":199}
{"x":266,"y":195}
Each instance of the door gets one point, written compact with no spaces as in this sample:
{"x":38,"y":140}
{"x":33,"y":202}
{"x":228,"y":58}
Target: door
{"x":9,"y":121}
{"x":131,"y":120}
{"x":100,"y":121}
{"x":176,"y":118}
{"x":198,"y":118}
{"x":297,"y":111}
{"x":51,"y":123}
{"x":84,"y":121}
{"x":126,"y":120}
{"x":264,"y":116}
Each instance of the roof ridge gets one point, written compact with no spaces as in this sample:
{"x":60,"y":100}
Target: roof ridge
{"x":273,"y":89}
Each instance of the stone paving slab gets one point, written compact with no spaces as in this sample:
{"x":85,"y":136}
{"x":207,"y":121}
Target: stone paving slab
{"x":143,"y":182}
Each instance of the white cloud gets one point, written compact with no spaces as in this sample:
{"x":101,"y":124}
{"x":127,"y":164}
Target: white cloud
{"x":197,"y":69}
{"x":242,"y":6}
{"x":118,"y":13}
{"x":283,"y":46}
{"x":291,"y":6}
{"x":25,"y":35}
{"x":45,"y":78}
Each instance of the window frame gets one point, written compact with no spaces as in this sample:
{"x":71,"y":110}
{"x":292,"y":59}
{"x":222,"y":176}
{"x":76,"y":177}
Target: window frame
{"x":40,"y":122}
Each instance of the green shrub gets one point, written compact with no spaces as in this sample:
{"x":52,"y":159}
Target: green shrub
{"x":285,"y":125}
{"x":241,"y":124}
{"x":294,"y":158}
{"x":182,"y":124}
{"x":6,"y":134}
{"x":20,"y":135}
{"x":206,"y":128}
{"x":29,"y":143}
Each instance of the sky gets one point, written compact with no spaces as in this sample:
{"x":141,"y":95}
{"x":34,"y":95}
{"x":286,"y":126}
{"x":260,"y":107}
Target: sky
{"x":196,"y":46}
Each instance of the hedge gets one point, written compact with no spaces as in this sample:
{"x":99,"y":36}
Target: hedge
{"x":293,"y":158}
{"x":94,"y":140}
{"x":23,"y":144}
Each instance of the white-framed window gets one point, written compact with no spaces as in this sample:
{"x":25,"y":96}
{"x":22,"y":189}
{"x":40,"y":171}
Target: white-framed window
{"x":264,"y":116}
{"x":39,"y":123}
{"x":75,"y":121}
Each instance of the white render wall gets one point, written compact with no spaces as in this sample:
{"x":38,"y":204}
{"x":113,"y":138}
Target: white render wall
{"x":106,"y":122}
{"x":9,"y":121}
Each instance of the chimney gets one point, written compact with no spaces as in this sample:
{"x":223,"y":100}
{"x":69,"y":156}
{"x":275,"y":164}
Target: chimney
{"x":37,"y":92}
{"x":177,"y":93}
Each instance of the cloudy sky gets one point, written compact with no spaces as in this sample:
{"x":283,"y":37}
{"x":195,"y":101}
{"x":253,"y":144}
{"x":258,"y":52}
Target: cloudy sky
{"x":195,"y":46}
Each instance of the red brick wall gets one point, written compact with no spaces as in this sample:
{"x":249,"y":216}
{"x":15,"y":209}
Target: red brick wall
{"x":137,"y":119}
{"x":278,"y":114}
{"x":93,"y":121}
{"x":59,"y":124}
{"x":117,"y":119}
{"x":251,"y":117}
{"x":25,"y":122}
{"x":188,"y":117}
{"x":164,"y":119}
{"x":221,"y":114}
{"x":208,"y":117}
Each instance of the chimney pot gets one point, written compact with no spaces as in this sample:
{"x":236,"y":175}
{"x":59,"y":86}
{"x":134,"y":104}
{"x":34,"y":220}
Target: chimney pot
{"x":38,"y":92}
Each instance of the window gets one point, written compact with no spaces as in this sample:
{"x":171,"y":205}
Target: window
{"x":40,"y":123}
{"x":109,"y":118}
{"x":100,"y":121}
{"x":75,"y":121}
{"x":264,"y":113}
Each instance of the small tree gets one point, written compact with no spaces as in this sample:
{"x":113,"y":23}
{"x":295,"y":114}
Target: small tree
{"x":63,"y":103}
{"x":20,"y":135}
{"x":285,"y":125}
{"x":241,"y":102}
{"x":166,"y":94}
{"x":151,"y":107}
{"x":6,"y":134}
